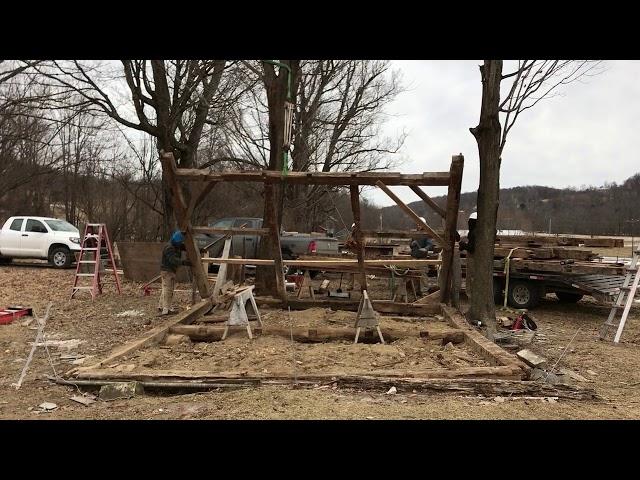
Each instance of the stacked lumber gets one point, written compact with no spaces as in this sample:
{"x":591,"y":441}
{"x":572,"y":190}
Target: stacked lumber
{"x":543,"y":253}
{"x":560,"y":241}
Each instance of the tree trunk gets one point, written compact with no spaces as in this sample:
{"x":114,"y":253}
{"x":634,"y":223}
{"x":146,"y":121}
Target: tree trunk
{"x":487,"y":135}
{"x":277,"y":87}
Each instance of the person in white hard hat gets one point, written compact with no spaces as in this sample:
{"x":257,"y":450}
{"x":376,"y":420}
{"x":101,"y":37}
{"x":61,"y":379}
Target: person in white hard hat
{"x":420,"y":248}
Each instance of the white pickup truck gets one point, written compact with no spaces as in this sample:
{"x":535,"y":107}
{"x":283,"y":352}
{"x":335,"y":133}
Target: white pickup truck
{"x":39,"y":237}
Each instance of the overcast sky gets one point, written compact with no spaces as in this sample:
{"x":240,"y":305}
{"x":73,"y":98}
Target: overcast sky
{"x":587,"y":136}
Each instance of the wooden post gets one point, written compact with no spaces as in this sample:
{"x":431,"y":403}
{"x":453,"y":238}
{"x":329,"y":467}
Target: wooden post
{"x":221,"y":278}
{"x":451,"y":224}
{"x":355,"y":208}
{"x":184,"y":223}
{"x":274,"y":235}
{"x":410,"y":212}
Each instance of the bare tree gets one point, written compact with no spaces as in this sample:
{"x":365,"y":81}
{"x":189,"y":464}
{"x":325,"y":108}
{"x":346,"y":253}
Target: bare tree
{"x":171,"y":100}
{"x":531,"y":82}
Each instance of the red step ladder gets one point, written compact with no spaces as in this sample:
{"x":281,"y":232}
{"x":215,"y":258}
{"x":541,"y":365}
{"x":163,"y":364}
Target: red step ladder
{"x":95,"y":236}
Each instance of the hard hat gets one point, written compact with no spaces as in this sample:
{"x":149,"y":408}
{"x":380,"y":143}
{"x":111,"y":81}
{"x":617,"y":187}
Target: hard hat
{"x":474,"y":216}
{"x":177,"y":238}
{"x":353,"y":225}
{"x":423,"y":220}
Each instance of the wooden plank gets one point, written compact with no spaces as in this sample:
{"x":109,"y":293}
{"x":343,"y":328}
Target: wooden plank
{"x":320,"y":264}
{"x":231,"y":231}
{"x":355,"y":210}
{"x":480,"y":344}
{"x":428,"y":200}
{"x":318,"y":178}
{"x":154,"y":335}
{"x":404,"y":207}
{"x":451,"y":225}
{"x":321,"y":334}
{"x":169,"y":171}
{"x":221,"y":279}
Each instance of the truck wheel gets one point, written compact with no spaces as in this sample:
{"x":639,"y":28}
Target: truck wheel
{"x":567,"y":297}
{"x":60,"y":257}
{"x":523,"y":294}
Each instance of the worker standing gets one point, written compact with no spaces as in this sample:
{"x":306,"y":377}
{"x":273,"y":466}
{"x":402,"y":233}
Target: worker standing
{"x":468,"y":244}
{"x":171,"y":260}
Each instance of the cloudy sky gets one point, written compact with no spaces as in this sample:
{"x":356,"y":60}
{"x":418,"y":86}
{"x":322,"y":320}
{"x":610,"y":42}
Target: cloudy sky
{"x":586,"y":136}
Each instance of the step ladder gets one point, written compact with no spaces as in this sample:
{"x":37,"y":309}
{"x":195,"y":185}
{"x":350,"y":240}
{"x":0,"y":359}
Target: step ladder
{"x":95,"y":239}
{"x":624,"y":300}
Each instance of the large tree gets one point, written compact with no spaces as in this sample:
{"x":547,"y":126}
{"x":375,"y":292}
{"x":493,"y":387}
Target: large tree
{"x":531,"y":82}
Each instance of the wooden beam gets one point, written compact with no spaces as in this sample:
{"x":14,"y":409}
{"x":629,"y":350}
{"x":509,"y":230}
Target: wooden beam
{"x":482,"y":345}
{"x":221,"y":278}
{"x":506,"y":372}
{"x":470,"y":386}
{"x":169,"y":170}
{"x":321,"y":334}
{"x":380,"y":306}
{"x":230,"y":231}
{"x":320,"y":264}
{"x":428,"y":200}
{"x":318,"y":178}
{"x":410,"y":212}
{"x":155,"y":335}
{"x":399,"y":233}
{"x":451,"y":224}
{"x":355,"y":210}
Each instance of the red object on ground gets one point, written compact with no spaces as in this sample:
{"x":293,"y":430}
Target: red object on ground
{"x":9,"y":314}
{"x":518,"y":324}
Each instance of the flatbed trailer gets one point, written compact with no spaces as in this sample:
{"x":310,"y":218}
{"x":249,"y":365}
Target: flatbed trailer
{"x":530,"y":280}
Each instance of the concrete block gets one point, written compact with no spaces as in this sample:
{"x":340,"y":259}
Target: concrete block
{"x":531,"y":359}
{"x":114,"y":391}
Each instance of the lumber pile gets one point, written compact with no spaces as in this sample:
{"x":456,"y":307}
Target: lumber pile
{"x":559,"y":241}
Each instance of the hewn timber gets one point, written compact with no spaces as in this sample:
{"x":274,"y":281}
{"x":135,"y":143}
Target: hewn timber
{"x":273,"y":225}
{"x":404,"y":207}
{"x":321,"y":334}
{"x":481,"y":345}
{"x":563,"y":240}
{"x":469,"y":386}
{"x":399,"y":233}
{"x":180,"y":210}
{"x":155,"y":335}
{"x":319,"y":178}
{"x":451,"y":224}
{"x":428,"y":200}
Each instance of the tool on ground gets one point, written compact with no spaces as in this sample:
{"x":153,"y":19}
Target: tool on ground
{"x":367,"y":317}
{"x":339,"y":293}
{"x":9,"y":314}
{"x":41,"y":324}
{"x":94,"y":240}
{"x":625,"y":297}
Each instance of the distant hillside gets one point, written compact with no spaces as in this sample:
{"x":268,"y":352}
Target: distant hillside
{"x":594,"y":210}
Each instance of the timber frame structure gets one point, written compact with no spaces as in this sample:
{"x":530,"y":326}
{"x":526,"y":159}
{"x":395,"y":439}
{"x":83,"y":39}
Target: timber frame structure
{"x":206,"y":180}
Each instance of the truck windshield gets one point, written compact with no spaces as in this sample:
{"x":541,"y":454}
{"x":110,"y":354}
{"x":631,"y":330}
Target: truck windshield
{"x":61,"y":226}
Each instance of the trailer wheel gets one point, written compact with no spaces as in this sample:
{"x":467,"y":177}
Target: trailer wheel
{"x":567,"y":297}
{"x":523,"y":294}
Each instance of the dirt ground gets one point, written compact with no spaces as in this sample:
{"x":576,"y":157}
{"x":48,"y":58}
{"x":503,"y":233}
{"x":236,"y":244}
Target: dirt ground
{"x":611,"y":370}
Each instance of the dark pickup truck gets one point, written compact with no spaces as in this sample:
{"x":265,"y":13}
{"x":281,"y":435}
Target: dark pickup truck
{"x":292,"y":244}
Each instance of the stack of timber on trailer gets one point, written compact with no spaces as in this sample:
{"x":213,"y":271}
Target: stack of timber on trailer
{"x":529,"y":267}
